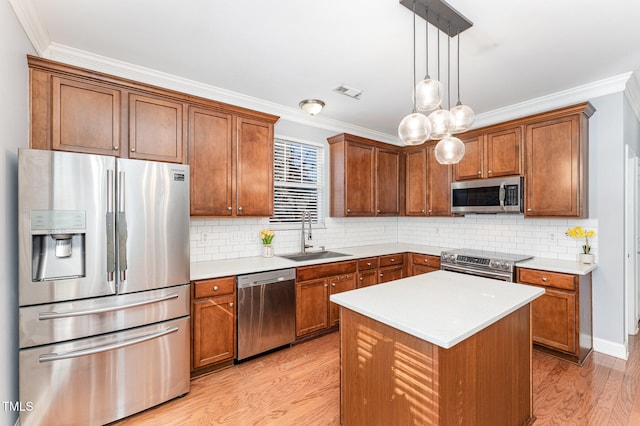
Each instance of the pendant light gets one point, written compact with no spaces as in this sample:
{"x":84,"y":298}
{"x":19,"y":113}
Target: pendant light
{"x":428,"y":93}
{"x":441,"y":119}
{"x":415,"y":128}
{"x":463,"y":115}
{"x":450,"y":149}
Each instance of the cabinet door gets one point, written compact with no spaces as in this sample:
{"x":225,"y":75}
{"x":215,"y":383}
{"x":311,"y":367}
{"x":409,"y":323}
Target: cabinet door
{"x":210,"y":162}
{"x":359,"y":179}
{"x":312,"y":304}
{"x":471,"y":166}
{"x":416,"y":182}
{"x":390,"y":274}
{"x":387,"y":182}
{"x":156,"y":129}
{"x":85,"y":118}
{"x":554,"y":169}
{"x":367,"y":278}
{"x":438,"y":186}
{"x":503,"y":153}
{"x":254,"y":176}
{"x":338,"y":285}
{"x":214,"y":330}
{"x":553,"y":320}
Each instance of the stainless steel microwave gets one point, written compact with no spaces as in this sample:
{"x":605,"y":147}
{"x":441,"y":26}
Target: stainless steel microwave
{"x":498,"y":195}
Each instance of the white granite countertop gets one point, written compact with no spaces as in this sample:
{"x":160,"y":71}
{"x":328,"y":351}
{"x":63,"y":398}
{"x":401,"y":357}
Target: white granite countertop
{"x":441,"y":307}
{"x":555,"y":265}
{"x":249,"y":265}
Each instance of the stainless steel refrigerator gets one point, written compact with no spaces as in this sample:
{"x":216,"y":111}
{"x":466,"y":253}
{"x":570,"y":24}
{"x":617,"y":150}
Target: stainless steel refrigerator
{"x":103,"y":286}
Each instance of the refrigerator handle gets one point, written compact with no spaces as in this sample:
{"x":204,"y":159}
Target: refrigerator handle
{"x":111,"y":249}
{"x":91,"y":351}
{"x":122,"y":229}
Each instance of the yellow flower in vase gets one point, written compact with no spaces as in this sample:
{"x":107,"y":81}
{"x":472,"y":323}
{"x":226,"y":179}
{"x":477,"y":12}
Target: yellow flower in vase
{"x":266,"y":235}
{"x":578,"y":232}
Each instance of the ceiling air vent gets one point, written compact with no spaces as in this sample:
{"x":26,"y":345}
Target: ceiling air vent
{"x":348,"y":91}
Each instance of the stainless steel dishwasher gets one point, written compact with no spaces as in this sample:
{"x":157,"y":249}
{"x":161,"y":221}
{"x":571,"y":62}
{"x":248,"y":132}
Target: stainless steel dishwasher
{"x":266,"y":311}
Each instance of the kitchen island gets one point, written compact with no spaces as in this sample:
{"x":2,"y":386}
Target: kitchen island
{"x":438,"y":348}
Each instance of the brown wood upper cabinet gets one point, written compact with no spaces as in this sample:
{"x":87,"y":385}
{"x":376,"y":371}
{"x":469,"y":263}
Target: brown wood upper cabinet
{"x":427,"y":185}
{"x":490,"y":152}
{"x":231,"y":164}
{"x":557,"y":163}
{"x":365,"y":177}
{"x":157,"y":129}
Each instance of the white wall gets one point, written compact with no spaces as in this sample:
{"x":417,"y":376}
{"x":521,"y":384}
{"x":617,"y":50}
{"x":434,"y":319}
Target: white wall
{"x":14,"y":133}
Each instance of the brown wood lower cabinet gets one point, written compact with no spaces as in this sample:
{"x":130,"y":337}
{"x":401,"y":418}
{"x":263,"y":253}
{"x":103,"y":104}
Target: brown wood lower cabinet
{"x":314,"y":285}
{"x":561,"y":318}
{"x":424,"y":263}
{"x":213,"y":316}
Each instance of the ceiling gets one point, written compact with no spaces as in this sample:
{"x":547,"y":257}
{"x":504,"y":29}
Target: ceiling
{"x":280,"y":52}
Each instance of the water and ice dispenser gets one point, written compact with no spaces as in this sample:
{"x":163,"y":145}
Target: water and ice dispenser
{"x":58,"y":244}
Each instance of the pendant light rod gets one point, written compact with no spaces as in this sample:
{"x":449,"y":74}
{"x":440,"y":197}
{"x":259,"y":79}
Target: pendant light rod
{"x":426,"y":55}
{"x":458,"y":61}
{"x":413,"y":85}
{"x":442,"y":9}
{"x":438,"y":20}
{"x":449,"y":66}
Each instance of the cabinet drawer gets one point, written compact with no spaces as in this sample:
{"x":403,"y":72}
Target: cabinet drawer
{"x":548,"y":279}
{"x":305,"y":273}
{"x":214,"y":287}
{"x":391,"y":259}
{"x":426,"y":260}
{"x":367,"y":263}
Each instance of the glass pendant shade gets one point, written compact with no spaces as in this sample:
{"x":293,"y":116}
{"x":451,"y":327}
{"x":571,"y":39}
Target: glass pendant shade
{"x":414,"y":129}
{"x":463,"y":117}
{"x":449,"y":150}
{"x":441,"y":123}
{"x":428,"y":95}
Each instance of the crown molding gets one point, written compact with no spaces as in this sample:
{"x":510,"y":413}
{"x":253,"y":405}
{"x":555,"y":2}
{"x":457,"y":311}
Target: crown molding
{"x":555,"y":100}
{"x":36,"y":32}
{"x":632,"y":93}
{"x":130,"y":71}
{"x":627,"y":82}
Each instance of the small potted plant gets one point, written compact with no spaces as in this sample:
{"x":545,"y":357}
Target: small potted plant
{"x":266,"y":235}
{"x":578,"y":232}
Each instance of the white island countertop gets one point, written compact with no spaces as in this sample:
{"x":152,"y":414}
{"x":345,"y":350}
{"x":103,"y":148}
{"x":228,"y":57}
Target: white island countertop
{"x":441,"y":307}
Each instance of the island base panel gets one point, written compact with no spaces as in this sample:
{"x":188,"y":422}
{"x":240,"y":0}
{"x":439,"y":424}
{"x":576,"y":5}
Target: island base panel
{"x":391,"y":377}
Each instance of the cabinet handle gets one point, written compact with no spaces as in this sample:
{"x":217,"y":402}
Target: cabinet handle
{"x":231,"y":304}
{"x":361,"y":279}
{"x":325,"y":286}
{"x":215,"y":288}
{"x":429,"y":211}
{"x":426,"y":261}
{"x":239,"y":208}
{"x":479,"y":172}
{"x":368,"y":263}
{"x":382,"y":275}
{"x":115,"y":148}
{"x":333,"y":284}
{"x":422,"y":210}
{"x":528,"y":210}
{"x":378,"y":210}
{"x":544,"y":279}
{"x":489,"y":171}
{"x":133,"y":150}
{"x":229,"y":208}
{"x":348,"y":210}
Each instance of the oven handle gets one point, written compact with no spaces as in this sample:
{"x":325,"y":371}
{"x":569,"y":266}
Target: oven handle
{"x":502,"y":196}
{"x":469,"y":271}
{"x":104,"y":348}
{"x":57,"y":315}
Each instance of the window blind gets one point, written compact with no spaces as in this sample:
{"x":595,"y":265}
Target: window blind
{"x":297,"y":182}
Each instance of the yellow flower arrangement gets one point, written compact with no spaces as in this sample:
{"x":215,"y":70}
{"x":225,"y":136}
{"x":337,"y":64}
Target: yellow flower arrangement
{"x":266,"y":235}
{"x":578,"y":232}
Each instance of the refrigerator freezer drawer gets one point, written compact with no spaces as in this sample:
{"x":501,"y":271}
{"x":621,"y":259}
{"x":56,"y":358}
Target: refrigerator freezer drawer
{"x":102,"y":379}
{"x":59,"y":322}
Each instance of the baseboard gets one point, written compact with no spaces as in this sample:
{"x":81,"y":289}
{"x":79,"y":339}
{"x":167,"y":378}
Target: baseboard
{"x":618,"y":350}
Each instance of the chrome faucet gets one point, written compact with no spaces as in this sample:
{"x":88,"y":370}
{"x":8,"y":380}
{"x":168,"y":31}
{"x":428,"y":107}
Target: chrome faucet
{"x":303,"y":245}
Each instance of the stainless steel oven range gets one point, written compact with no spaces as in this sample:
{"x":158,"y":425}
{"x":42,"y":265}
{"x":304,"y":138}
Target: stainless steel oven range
{"x":488,"y":264}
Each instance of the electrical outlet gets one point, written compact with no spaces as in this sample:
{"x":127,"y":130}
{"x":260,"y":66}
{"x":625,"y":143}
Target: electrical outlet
{"x":551,"y":236}
{"x":205,"y":236}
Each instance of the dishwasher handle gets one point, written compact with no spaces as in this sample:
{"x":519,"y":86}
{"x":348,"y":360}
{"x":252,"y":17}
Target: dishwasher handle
{"x":268,"y":277}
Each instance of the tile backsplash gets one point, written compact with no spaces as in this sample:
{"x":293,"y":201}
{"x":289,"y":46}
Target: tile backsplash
{"x":213,"y":239}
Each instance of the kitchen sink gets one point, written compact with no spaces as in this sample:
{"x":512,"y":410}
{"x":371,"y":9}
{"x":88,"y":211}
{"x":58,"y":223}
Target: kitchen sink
{"x":301,"y":257}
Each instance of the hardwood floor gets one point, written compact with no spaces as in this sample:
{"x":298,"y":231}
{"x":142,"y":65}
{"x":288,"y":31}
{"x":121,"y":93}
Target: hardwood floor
{"x":300,"y":386}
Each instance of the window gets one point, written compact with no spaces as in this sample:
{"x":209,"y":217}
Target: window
{"x":297,"y":182}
